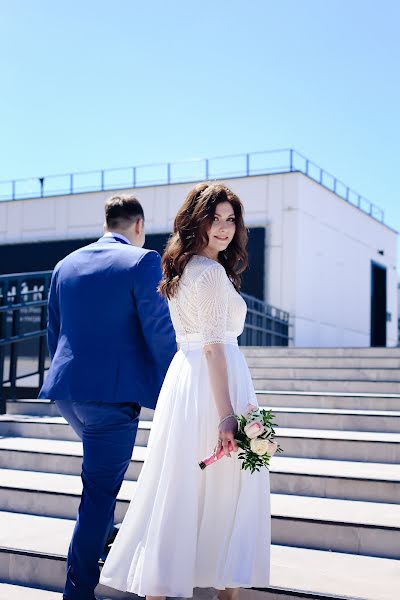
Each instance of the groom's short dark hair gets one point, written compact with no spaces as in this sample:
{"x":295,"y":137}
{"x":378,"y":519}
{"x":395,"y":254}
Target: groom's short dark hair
{"x":122,"y":211}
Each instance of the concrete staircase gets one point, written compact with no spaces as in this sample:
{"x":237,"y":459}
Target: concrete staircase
{"x":335,"y":490}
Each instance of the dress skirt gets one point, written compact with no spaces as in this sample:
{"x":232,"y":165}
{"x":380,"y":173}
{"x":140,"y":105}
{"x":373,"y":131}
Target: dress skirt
{"x":185,"y":527}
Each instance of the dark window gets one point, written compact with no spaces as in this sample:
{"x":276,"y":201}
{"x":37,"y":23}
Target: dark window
{"x":43,"y":256}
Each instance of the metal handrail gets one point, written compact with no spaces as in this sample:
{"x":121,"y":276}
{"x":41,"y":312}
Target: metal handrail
{"x":286,"y":160}
{"x":16,"y":297}
{"x":265,"y":325}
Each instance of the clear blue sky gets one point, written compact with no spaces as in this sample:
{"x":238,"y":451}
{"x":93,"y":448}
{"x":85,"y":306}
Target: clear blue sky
{"x":93,"y":84}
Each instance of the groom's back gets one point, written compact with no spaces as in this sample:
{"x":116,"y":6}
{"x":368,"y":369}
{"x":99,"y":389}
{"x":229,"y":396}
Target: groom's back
{"x":110,"y":335}
{"x":96,"y":295}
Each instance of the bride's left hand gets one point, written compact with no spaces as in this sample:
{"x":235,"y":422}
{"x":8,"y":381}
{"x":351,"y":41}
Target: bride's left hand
{"x":227,"y":431}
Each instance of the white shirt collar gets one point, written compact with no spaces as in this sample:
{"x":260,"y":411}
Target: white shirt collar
{"x":117,"y":235}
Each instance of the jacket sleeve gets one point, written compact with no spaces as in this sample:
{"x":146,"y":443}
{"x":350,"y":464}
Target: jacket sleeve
{"x":153,"y":312}
{"x":53,"y":316}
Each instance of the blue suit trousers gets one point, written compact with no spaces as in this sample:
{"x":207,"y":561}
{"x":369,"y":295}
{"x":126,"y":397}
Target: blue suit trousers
{"x":108,"y":433}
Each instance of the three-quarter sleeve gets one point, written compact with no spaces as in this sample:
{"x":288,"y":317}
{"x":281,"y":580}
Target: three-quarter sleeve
{"x":212,"y":298}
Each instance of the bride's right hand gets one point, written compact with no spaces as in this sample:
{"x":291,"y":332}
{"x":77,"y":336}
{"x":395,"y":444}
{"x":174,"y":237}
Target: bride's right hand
{"x":227,"y":431}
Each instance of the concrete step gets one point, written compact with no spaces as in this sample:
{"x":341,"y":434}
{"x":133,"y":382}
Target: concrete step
{"x":58,"y":456}
{"x":328,"y":524}
{"x":336,"y":418}
{"x":366,"y":481}
{"x":10,"y":591}
{"x":57,"y":495}
{"x":18,"y":592}
{"x":40,"y":408}
{"x":326,"y":385}
{"x":53,"y":428}
{"x":322,"y":374}
{"x":50,"y":494}
{"x":363,"y":446}
{"x":30,"y":557}
{"x":283,"y":398}
{"x":327,"y":362}
{"x":284,"y":351}
{"x":350,"y":526}
{"x":320,"y":575}
{"x":46,"y":408}
{"x":341,"y":400}
{"x":65,"y":457}
{"x":33,"y":552}
{"x":54,"y":456}
{"x":310,"y":418}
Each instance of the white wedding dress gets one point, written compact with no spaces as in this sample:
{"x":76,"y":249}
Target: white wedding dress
{"x":186,"y":527}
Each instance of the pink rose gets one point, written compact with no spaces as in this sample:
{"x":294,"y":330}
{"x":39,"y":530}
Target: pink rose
{"x":249,"y":409}
{"x":272,"y":448}
{"x":254,"y":429}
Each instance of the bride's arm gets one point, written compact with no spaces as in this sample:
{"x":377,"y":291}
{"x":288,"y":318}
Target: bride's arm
{"x":218,"y":373}
{"x":212,"y":297}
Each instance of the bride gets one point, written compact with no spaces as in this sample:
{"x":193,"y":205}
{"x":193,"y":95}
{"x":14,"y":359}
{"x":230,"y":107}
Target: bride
{"x":186,"y":527}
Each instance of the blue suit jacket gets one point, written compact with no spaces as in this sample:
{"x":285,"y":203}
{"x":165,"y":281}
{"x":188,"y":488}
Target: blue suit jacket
{"x":110,"y":335}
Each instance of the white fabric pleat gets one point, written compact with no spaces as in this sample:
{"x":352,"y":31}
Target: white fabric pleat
{"x":185,"y":527}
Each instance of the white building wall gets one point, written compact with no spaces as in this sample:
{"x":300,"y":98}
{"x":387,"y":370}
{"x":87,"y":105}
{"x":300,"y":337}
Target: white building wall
{"x":318,"y":247}
{"x":336,"y":244}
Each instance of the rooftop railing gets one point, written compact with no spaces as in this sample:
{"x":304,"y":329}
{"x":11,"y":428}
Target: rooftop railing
{"x":220,"y":167}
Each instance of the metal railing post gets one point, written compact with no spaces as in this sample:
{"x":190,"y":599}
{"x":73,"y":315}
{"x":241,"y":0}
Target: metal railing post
{"x":71,"y":183}
{"x":247,"y":165}
{"x":13,"y":189}
{"x":291,"y":159}
{"x":3,"y":401}
{"x":14,"y":349}
{"x":42,"y":338}
{"x":168,"y":173}
{"x":207,"y":169}
{"x":102,"y":180}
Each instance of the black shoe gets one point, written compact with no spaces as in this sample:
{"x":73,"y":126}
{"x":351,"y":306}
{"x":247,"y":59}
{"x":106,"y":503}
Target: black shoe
{"x":109,"y":543}
{"x":113,"y":534}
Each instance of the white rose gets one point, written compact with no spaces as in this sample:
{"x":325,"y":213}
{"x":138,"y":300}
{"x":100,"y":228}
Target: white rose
{"x":260,"y":447}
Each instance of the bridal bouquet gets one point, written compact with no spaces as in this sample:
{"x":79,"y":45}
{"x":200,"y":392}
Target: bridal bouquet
{"x":255,"y":438}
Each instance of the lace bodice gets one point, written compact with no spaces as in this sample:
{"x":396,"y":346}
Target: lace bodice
{"x":207,"y":304}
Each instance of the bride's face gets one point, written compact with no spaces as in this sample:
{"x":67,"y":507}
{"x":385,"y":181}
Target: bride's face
{"x":222,"y":228}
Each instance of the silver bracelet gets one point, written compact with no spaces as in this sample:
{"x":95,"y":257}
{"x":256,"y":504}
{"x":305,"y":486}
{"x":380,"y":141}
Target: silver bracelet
{"x":226,"y":418}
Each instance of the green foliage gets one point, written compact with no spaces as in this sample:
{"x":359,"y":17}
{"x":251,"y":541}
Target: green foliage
{"x":250,"y":460}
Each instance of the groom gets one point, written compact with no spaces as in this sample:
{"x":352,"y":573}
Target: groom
{"x":111,"y":341}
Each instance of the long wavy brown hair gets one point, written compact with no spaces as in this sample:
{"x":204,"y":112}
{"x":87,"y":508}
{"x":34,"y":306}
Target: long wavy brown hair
{"x":190,"y":236}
